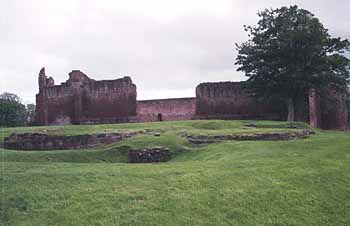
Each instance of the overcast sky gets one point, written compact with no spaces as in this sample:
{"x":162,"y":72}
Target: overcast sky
{"x":167,"y":47}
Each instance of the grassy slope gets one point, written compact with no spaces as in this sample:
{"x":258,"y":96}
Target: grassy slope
{"x":301,"y":182}
{"x":170,"y":137}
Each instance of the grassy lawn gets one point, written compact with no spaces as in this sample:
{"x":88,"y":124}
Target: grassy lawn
{"x":243,"y":183}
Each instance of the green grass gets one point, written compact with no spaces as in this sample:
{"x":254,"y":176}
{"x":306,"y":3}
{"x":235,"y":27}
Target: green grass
{"x":201,"y":127}
{"x":243,"y":183}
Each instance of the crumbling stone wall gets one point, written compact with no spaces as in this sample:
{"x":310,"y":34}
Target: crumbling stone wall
{"x":42,"y":141}
{"x":314,"y":108}
{"x":166,"y":109}
{"x":81,"y":100}
{"x":334,"y":113}
{"x":328,"y":110}
{"x":208,"y":139}
{"x":229,"y":100}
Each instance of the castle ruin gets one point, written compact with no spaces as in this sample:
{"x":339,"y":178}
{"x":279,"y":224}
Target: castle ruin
{"x":82,"y":100}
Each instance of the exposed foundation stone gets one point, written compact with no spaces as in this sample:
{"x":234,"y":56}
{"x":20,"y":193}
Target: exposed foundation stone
{"x":41,"y":141}
{"x":207,"y":139}
{"x":149,"y":155}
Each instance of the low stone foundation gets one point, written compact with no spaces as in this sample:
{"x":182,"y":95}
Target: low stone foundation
{"x":42,"y":141}
{"x":207,"y":139}
{"x":149,"y":155}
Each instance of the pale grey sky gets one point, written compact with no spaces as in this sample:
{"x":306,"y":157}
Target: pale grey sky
{"x":167,"y":47}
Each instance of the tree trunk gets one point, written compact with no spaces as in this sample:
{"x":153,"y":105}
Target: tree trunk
{"x":291,"y":111}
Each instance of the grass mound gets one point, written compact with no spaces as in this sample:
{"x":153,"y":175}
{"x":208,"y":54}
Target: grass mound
{"x":296,"y":182}
{"x":170,"y":137}
{"x":214,"y":125}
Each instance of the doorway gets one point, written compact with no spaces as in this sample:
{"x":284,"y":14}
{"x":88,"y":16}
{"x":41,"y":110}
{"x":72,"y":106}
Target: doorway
{"x":159,"y":116}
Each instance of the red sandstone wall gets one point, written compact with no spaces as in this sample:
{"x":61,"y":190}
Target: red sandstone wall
{"x":170,"y":109}
{"x":315,"y":109}
{"x":109,"y":99}
{"x":334,"y":113}
{"x":83,"y":100}
{"x":228,"y":100}
{"x":60,"y":110}
{"x":328,"y":109}
{"x":55,"y":105}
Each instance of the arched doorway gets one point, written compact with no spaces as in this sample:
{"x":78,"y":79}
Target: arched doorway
{"x":159,"y":116}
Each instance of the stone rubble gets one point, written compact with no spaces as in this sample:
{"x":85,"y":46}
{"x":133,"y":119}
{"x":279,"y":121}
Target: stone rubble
{"x":149,"y":155}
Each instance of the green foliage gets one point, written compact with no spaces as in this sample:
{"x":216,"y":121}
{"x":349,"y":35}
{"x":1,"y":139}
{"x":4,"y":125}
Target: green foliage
{"x":12,"y":111}
{"x":298,"y":182}
{"x":30,"y":110}
{"x":289,"y":52}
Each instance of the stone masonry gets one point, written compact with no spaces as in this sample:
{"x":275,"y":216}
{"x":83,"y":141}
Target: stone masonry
{"x":228,"y":100}
{"x":43,"y":141}
{"x":82,"y":100}
{"x":328,"y":109}
{"x":166,"y":109}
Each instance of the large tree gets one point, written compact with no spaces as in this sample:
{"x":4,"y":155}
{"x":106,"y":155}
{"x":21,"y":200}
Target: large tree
{"x":288,"y":53}
{"x":12,"y":111}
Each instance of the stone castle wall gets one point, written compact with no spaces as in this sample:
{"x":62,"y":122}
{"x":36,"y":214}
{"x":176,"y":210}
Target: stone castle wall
{"x":328,"y":110}
{"x":114,"y":99}
{"x":81,"y":100}
{"x":166,"y":109}
{"x":228,"y":100}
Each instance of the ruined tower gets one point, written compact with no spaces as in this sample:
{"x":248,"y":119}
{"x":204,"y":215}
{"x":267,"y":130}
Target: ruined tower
{"x":81,"y":100}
